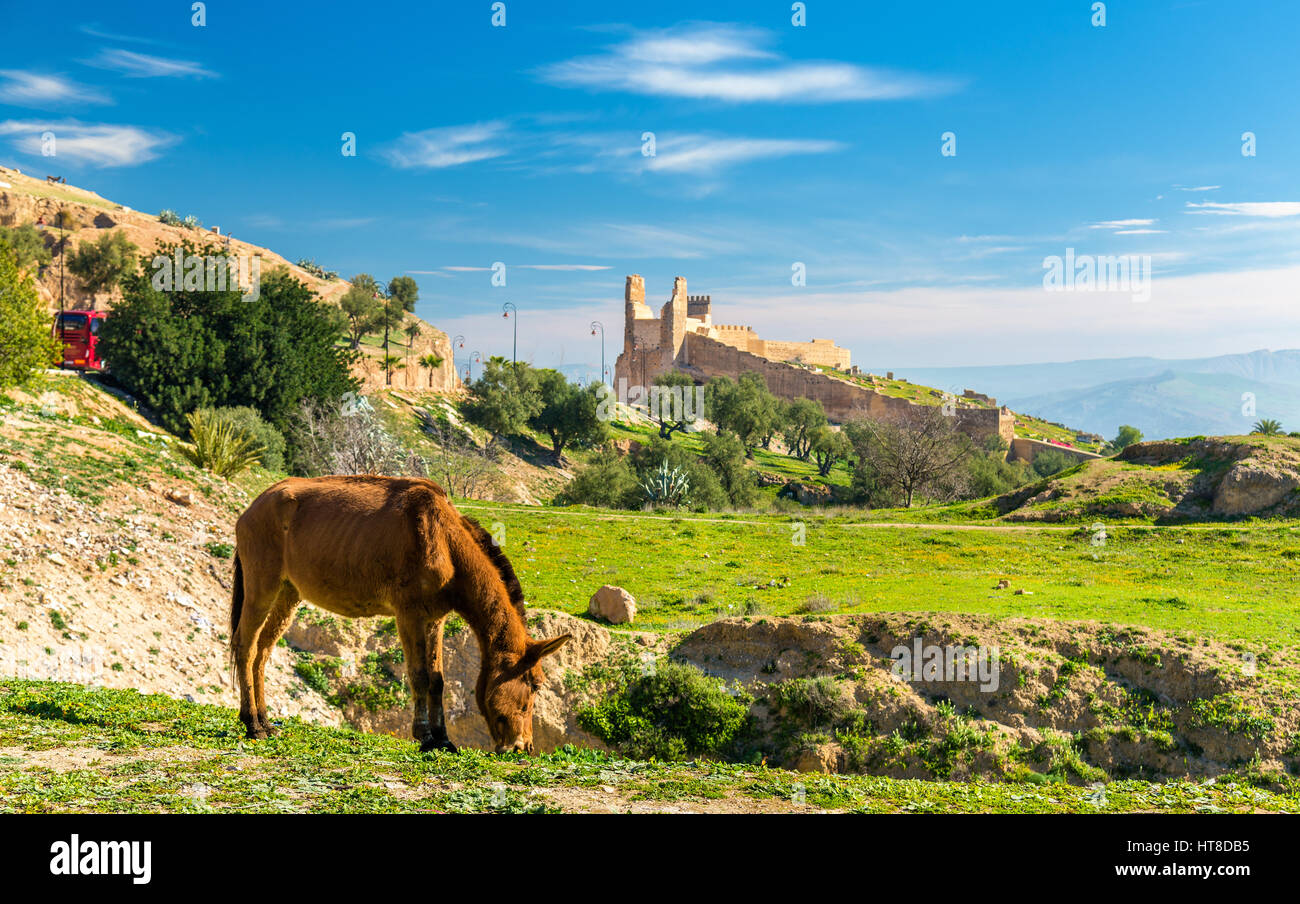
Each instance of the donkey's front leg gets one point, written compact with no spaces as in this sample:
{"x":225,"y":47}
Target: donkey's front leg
{"x":438,"y":739}
{"x":413,"y":630}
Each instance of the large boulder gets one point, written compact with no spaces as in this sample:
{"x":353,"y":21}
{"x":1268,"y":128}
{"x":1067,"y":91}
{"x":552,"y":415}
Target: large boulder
{"x":1250,"y":487}
{"x":614,"y":604}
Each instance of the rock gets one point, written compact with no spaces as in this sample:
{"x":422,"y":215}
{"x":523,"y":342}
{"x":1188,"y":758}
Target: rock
{"x":614,"y":604}
{"x":1252,"y":487}
{"x":1023,"y":592}
{"x":180,"y":497}
{"x":1003,"y":584}
{"x":824,"y":758}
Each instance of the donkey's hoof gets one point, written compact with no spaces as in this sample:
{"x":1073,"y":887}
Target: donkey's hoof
{"x":255,"y":734}
{"x":270,"y":730}
{"x":430,"y":744}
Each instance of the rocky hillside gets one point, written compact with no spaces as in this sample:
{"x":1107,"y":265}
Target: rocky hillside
{"x":1202,"y":478}
{"x":25,"y":199}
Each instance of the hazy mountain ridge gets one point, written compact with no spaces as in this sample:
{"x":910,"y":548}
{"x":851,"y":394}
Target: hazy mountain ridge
{"x":1162,"y":397}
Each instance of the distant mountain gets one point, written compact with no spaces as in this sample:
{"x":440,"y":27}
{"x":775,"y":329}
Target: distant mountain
{"x":1161,"y":397}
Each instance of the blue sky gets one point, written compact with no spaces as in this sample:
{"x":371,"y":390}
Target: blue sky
{"x":774,"y":144}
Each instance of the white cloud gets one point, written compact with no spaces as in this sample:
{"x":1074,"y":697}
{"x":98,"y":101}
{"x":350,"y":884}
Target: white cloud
{"x":444,"y":147}
{"x":1140,"y":231}
{"x":1199,"y":188}
{"x":1270,"y":209}
{"x":33,"y":89}
{"x":99,"y":144}
{"x":726,"y":63}
{"x":702,"y":154}
{"x":1120,"y":224}
{"x":522,"y":267}
{"x":142,"y":65}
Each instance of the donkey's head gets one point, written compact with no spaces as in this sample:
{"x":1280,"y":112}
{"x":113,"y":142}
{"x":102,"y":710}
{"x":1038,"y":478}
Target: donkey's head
{"x":506,"y":692}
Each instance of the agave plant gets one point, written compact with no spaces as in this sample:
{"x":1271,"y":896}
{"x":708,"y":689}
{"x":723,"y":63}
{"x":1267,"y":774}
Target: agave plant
{"x":220,"y":447}
{"x":667,"y":486}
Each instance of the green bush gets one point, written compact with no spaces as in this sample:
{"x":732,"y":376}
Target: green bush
{"x":608,"y":481}
{"x":248,"y":422}
{"x":216,"y":445}
{"x":25,"y":342}
{"x":673,"y":713}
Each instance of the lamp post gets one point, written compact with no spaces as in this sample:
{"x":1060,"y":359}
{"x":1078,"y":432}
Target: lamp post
{"x":514,"y":349}
{"x":597,"y":325}
{"x":456,"y":342}
{"x":472,"y":358}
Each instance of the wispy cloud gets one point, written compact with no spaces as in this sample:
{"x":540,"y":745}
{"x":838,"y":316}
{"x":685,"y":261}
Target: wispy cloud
{"x":33,"y":89}
{"x":1120,"y":224}
{"x":1270,"y":209}
{"x":703,"y":154}
{"x":1198,"y":187}
{"x":729,"y":63}
{"x":99,"y":144}
{"x":459,"y":269}
{"x":142,"y":65}
{"x":449,"y":146}
{"x":95,"y":31}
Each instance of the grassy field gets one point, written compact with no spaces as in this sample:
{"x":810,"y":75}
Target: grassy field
{"x":1231,"y":582}
{"x":70,"y":749}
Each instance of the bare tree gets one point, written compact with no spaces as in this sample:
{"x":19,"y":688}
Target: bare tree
{"x":349,"y":439}
{"x":916,"y":452}
{"x":461,"y":465}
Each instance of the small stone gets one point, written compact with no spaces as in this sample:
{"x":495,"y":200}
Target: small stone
{"x":614,"y":604}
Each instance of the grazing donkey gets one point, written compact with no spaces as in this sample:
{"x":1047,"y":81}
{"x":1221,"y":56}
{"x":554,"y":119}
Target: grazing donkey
{"x":362,"y":546}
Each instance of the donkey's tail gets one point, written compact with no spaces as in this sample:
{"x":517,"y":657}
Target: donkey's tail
{"x":236,"y":603}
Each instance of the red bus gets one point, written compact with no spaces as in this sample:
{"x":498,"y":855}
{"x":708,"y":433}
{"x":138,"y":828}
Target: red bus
{"x":79,"y":333}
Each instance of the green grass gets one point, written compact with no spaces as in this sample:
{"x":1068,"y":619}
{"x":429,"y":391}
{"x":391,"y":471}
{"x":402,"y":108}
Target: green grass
{"x":70,"y":749}
{"x":1231,"y":583}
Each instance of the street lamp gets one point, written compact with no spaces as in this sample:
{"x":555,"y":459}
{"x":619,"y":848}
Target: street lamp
{"x":514,"y":350}
{"x":597,"y":325}
{"x":456,"y":342}
{"x":472,"y":358}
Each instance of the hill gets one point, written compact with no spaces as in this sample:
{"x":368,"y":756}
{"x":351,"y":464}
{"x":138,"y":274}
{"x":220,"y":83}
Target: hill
{"x":1162,"y":397}
{"x":1197,"y":479}
{"x":26,"y":200}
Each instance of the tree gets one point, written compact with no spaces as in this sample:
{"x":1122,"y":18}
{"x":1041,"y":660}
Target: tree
{"x":390,"y":363}
{"x":504,"y":398}
{"x":1126,"y":437}
{"x":607,"y":481}
{"x":413,"y":331}
{"x":179,"y":350}
{"x":362,"y":309}
{"x":799,"y":419}
{"x":1051,"y":461}
{"x":914,"y":452}
{"x":403,"y":293}
{"x":101,"y":265}
{"x":29,"y":244}
{"x":25,"y":342}
{"x":1267,"y":427}
{"x":568,"y":412}
{"x":431,"y":363}
{"x":827,"y":447}
{"x":725,"y":456}
{"x":668,"y":407}
{"x":746,"y":408}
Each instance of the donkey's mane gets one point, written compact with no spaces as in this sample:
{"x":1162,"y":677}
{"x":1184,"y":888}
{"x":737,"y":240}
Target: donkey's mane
{"x":503,"y":566}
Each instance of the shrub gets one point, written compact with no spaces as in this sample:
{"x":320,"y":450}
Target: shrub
{"x":215,"y":444}
{"x":608,"y":481}
{"x":247,"y":421}
{"x":25,"y":342}
{"x":667,"y":486}
{"x":169,"y":217}
{"x":674,"y":713}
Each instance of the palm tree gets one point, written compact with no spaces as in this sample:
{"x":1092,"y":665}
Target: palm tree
{"x":389,"y":364}
{"x":1267,"y":427}
{"x":431,"y":362}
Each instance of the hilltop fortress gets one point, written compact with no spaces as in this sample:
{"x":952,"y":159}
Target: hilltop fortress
{"x":684,"y":337}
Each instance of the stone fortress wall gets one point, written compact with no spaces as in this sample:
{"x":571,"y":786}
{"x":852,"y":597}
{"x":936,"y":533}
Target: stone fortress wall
{"x":683,"y":337}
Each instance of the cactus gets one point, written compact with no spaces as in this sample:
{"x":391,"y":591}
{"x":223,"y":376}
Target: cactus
{"x":667,"y":486}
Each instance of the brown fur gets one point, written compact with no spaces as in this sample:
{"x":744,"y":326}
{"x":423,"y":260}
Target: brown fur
{"x":364,"y":546}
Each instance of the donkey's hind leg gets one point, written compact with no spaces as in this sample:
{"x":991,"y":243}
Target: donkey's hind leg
{"x":260,"y":596}
{"x":277,"y":620}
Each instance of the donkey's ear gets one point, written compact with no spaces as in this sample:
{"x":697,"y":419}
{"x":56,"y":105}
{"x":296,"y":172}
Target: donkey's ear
{"x":539,"y":648}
